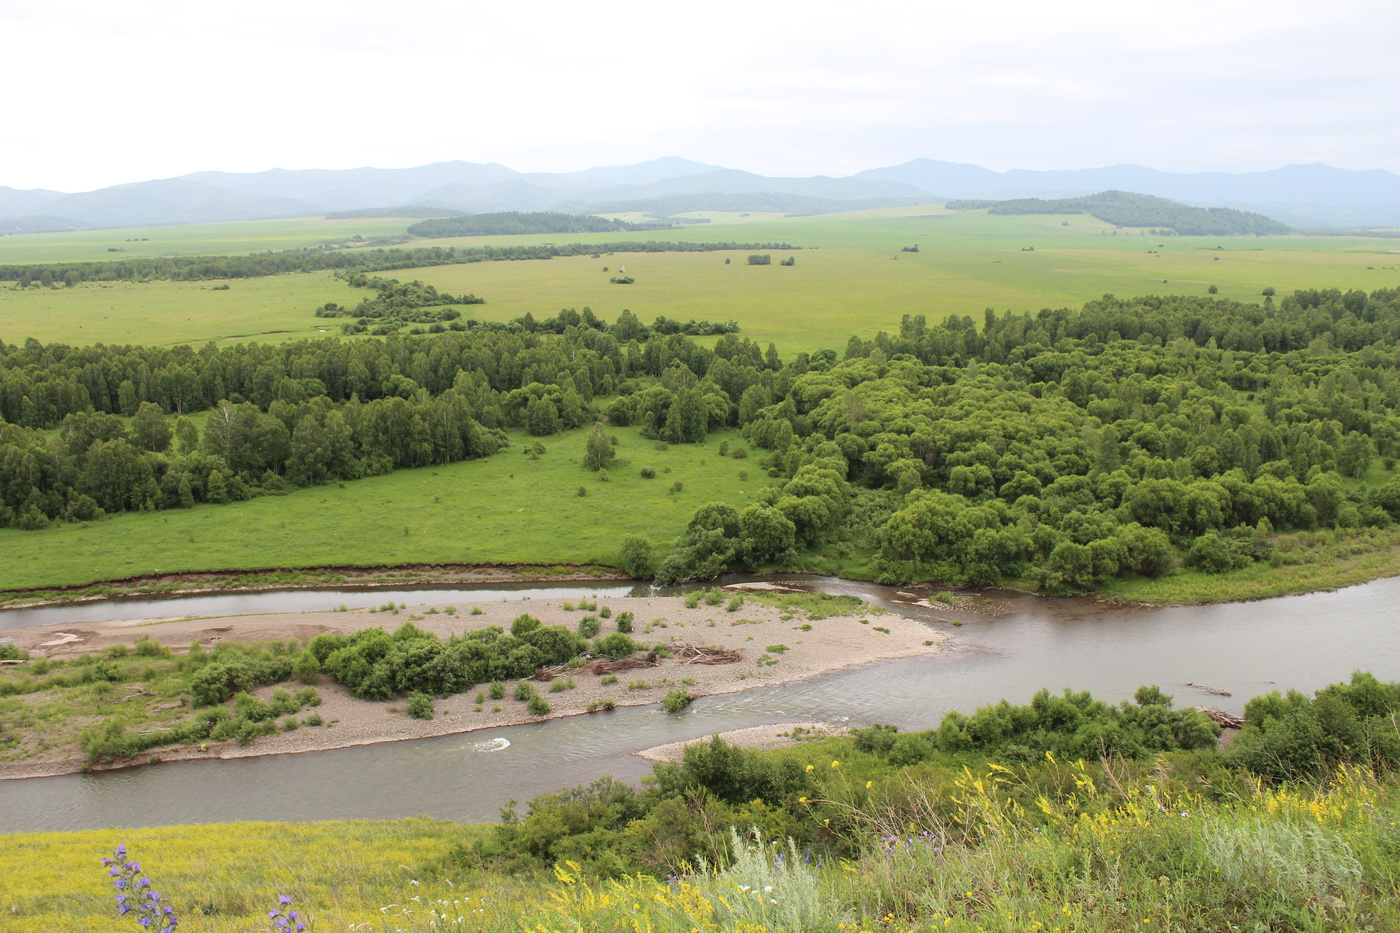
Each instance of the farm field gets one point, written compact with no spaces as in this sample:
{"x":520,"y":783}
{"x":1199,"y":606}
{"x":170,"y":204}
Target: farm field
{"x":850,"y":277}
{"x":224,"y":239}
{"x":273,"y":309}
{"x":503,"y":509}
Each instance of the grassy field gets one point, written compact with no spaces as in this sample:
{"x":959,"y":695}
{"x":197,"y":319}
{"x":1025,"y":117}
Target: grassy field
{"x":274,"y":309}
{"x":226,"y":239}
{"x":504,"y":509}
{"x":850,"y":277}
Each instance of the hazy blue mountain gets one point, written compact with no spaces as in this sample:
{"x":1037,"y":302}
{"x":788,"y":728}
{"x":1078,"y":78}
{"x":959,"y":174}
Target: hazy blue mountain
{"x":170,"y":201}
{"x":514,"y":195}
{"x":14,"y":202}
{"x":37,"y":223}
{"x":1294,"y":194}
{"x":1303,"y":191}
{"x":643,"y":173}
{"x":732,"y":181}
{"x":365,"y":187}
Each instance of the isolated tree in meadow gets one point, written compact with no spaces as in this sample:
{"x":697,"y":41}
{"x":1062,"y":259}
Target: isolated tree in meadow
{"x":598,"y":454}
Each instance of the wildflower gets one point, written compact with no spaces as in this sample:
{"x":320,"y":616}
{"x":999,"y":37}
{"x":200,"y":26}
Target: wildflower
{"x":835,"y":765}
{"x":811,"y":768}
{"x":869,"y":784}
{"x":148,"y":906}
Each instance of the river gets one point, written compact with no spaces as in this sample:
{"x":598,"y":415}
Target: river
{"x":1009,"y":645}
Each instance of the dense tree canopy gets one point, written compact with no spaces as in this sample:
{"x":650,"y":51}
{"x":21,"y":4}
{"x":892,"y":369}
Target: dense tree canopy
{"x":1125,"y":209}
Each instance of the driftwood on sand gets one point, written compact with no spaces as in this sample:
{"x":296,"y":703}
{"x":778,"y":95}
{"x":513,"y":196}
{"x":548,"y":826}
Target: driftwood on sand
{"x":763,"y":587}
{"x":1221,"y":718}
{"x":684,"y":654}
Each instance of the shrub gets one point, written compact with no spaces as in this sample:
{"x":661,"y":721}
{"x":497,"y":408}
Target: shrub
{"x":420,"y":706}
{"x":498,"y":690}
{"x":675,"y":701}
{"x":624,"y":621}
{"x":608,"y":679}
{"x":588,"y":626}
{"x":648,"y":473}
{"x":524,"y":691}
{"x":616,"y":645}
{"x":538,"y":705}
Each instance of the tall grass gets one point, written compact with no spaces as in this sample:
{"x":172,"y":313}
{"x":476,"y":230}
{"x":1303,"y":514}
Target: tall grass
{"x":1110,"y":852}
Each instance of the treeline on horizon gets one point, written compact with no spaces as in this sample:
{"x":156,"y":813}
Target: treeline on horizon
{"x":257,"y":265}
{"x":1125,"y":209}
{"x":1072,"y":447}
{"x":512,"y":223}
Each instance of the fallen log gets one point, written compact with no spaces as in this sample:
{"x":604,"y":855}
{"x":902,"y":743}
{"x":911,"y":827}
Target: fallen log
{"x":1221,"y":718}
{"x":1215,"y":690}
{"x":690,"y":654}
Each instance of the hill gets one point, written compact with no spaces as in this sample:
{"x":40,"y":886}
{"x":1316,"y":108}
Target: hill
{"x":1298,"y":194}
{"x":1124,"y":209}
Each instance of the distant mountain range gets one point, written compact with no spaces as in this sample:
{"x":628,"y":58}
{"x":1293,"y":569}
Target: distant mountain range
{"x":1306,"y":195}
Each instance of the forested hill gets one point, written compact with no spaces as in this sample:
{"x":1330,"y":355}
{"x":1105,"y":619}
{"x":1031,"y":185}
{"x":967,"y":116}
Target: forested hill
{"x":1125,"y":209}
{"x":514,"y":222}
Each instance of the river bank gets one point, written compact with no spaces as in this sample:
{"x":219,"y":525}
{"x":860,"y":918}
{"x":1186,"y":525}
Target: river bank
{"x":1311,"y":562}
{"x":197,"y":583}
{"x":769,"y":644}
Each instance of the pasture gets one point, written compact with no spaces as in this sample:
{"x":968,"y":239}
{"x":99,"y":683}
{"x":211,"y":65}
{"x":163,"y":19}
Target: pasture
{"x":272,"y":309}
{"x":504,"y":509}
{"x":224,"y":239}
{"x":850,"y":277}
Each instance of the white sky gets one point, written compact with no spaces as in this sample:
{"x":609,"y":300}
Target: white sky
{"x":104,"y":93}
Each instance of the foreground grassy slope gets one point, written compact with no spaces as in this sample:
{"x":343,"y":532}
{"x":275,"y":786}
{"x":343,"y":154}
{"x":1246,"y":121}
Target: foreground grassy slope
{"x":850,"y":278}
{"x":504,"y":509}
{"x":1094,"y":855}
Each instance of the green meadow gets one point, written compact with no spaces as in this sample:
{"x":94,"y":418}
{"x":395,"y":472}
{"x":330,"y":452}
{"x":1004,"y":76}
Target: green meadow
{"x":507,"y":508}
{"x":272,"y":309}
{"x":224,"y":239}
{"x":850,"y":277}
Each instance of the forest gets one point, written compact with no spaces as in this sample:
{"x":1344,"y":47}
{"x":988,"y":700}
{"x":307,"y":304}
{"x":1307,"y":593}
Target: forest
{"x":1125,"y":209}
{"x":1128,"y":438}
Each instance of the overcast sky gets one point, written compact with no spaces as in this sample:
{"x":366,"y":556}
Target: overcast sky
{"x":104,"y":93}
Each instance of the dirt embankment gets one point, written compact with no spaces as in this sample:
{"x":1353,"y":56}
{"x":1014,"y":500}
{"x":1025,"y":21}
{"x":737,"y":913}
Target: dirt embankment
{"x":274,"y":578}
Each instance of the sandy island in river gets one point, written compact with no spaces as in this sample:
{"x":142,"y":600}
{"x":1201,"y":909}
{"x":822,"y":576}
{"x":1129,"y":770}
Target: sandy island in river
{"x":825,"y":645}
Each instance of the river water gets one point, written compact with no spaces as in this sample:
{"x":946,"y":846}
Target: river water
{"x":1009,"y":645}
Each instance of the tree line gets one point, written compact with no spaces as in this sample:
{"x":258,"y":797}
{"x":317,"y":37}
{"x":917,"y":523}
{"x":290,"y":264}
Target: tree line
{"x":1125,"y":209}
{"x":256,"y":265}
{"x":318,"y":411}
